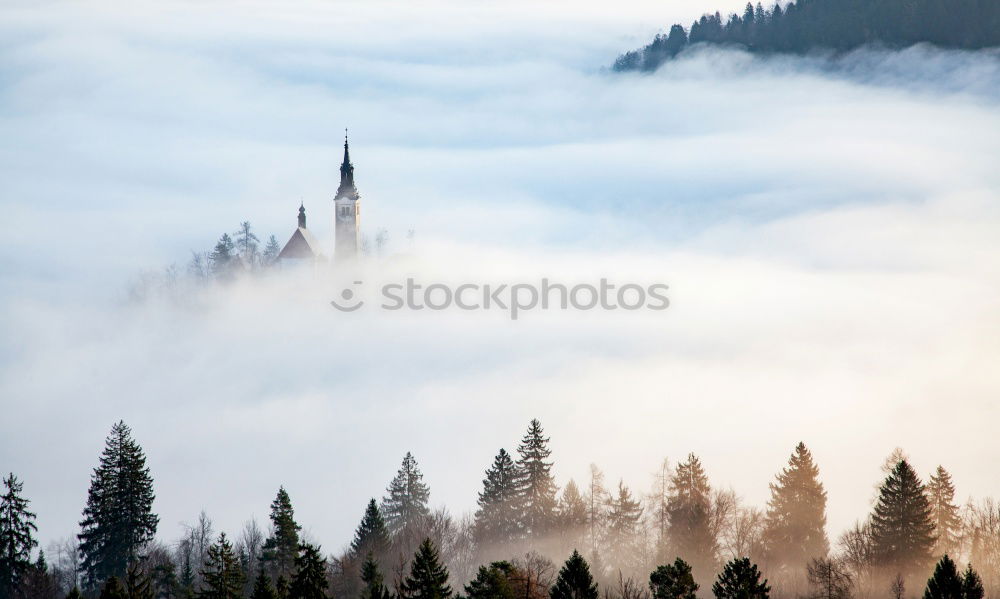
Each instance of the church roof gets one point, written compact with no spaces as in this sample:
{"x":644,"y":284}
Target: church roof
{"x":301,"y":245}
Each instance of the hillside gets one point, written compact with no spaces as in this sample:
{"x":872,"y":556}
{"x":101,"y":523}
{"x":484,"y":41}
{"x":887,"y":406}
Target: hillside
{"x":803,"y":26}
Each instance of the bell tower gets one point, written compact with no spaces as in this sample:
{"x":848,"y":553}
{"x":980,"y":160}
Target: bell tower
{"x":347,"y":215}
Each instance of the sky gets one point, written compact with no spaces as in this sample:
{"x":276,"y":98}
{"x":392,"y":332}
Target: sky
{"x":827,"y":228}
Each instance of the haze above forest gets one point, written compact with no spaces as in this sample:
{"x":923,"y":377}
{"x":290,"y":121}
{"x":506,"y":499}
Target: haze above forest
{"x":829,"y":239}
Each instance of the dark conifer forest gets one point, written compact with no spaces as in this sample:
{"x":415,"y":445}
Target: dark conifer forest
{"x":804,"y":26}
{"x":528,"y":539}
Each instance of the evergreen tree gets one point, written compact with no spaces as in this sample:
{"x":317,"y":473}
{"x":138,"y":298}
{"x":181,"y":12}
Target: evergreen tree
{"x":795,"y":528}
{"x":802,"y":26}
{"x":247,"y":243}
{"x":945,"y":583}
{"x":405,"y":505}
{"x":372,"y":578}
{"x":17,"y":528}
{"x":493,"y":582}
{"x":38,"y":582}
{"x":262,"y":588}
{"x":222,"y":260}
{"x":222,"y":577}
{"x":498,"y":513}
{"x":271,"y":251}
{"x":371,"y":536}
{"x":137,"y":583}
{"x":74,"y":593}
{"x":972,"y":584}
{"x":428,"y":578}
{"x":574,"y":580}
{"x":740,"y":580}
{"x":165,"y":581}
{"x":597,"y":501}
{"x":536,"y":488}
{"x":623,"y":525}
{"x":310,"y":574}
{"x":112,"y":589}
{"x":118,"y":520}
{"x":944,"y":512}
{"x":688,"y":512}
{"x":185,"y":583}
{"x":902,"y":528}
{"x":572,"y":515}
{"x":282,"y":547}
{"x":673,"y":581}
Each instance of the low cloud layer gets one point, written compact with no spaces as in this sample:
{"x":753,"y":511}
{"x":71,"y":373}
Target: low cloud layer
{"x":827,"y":229}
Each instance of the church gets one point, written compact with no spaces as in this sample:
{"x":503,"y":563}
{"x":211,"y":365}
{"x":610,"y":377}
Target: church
{"x":304,"y":248}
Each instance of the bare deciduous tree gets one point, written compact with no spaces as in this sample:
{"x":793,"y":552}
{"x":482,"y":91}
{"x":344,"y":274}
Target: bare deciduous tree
{"x":829,"y":579}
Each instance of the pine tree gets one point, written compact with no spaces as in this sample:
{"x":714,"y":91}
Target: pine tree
{"x":74,"y":593}
{"x":574,"y":580}
{"x":902,"y":528}
{"x":572,"y":515}
{"x":428,"y":578}
{"x":673,"y":581}
{"x":38,"y":582}
{"x":137,"y":583}
{"x":222,"y":577}
{"x":623,"y":524}
{"x":372,"y":578}
{"x":740,"y":580}
{"x":262,"y":588}
{"x":17,"y":528}
{"x":271,"y":251}
{"x":597,"y":501}
{"x":222,"y":260}
{"x":944,"y":512}
{"x":165,"y":581}
{"x":118,"y":520}
{"x":795,"y":528}
{"x":112,"y":589}
{"x":498,"y":513}
{"x":372,"y":535}
{"x":688,"y":513}
{"x":658,"y":511}
{"x":945,"y":583}
{"x":405,"y":505}
{"x":310,"y":574}
{"x":282,"y":547}
{"x":536,"y":488}
{"x":247,"y":243}
{"x":185,"y":582}
{"x":972,"y":584}
{"x":492,"y":582}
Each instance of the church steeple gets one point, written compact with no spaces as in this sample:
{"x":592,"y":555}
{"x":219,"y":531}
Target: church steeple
{"x":347,"y":211}
{"x":347,"y":188}
{"x":302,"y":216}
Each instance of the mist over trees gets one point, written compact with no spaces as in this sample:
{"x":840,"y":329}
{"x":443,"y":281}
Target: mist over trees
{"x":528,"y":539}
{"x":802,"y":26}
{"x":234,"y":256}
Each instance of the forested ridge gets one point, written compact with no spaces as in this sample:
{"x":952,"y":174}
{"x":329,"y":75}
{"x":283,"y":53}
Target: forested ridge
{"x":528,"y":539}
{"x":803,"y":26}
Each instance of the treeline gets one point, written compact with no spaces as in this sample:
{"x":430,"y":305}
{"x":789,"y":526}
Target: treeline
{"x":234,"y":255}
{"x":681,"y":540}
{"x":802,"y":26}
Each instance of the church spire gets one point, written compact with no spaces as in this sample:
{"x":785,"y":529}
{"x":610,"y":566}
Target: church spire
{"x":302,"y":216}
{"x":347,"y":188}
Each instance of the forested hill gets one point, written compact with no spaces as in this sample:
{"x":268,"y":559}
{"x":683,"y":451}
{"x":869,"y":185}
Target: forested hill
{"x":838,"y":25}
